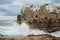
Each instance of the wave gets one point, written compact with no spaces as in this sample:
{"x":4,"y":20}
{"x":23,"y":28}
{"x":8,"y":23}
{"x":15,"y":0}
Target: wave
{"x":17,"y":30}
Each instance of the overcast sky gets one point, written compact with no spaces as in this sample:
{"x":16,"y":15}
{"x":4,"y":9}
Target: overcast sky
{"x":12,"y":7}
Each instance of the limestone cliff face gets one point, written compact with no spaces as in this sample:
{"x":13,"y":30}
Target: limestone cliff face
{"x":34,"y":37}
{"x":45,"y":17}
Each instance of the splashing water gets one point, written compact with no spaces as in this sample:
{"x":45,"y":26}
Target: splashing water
{"x":13,"y":28}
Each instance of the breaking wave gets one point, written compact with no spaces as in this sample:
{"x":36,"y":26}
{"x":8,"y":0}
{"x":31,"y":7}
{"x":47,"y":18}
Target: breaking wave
{"x":8,"y":27}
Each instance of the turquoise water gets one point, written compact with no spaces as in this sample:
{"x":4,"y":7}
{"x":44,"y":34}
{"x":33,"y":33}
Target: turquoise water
{"x":10,"y":36}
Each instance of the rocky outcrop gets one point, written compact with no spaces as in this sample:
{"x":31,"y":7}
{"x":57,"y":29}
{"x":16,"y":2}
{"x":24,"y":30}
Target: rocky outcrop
{"x":42,"y":17}
{"x":34,"y":37}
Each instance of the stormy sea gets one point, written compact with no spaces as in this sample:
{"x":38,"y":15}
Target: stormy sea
{"x":10,"y":28}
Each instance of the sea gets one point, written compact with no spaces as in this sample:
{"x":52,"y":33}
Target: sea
{"x":11,"y":29}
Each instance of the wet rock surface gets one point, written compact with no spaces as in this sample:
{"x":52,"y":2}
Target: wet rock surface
{"x":34,"y":37}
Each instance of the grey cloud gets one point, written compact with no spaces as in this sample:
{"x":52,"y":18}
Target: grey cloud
{"x":12,"y":8}
{"x":56,"y":1}
{"x":6,"y":1}
{"x":38,"y":2}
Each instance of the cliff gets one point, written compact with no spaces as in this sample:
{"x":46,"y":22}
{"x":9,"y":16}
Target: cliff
{"x":45,"y":17}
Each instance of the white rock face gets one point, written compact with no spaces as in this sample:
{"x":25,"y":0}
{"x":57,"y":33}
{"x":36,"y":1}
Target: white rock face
{"x":35,"y":7}
{"x":50,"y":7}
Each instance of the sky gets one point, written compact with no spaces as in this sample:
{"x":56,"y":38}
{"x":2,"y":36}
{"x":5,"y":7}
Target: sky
{"x":13,"y":7}
{"x":56,"y":1}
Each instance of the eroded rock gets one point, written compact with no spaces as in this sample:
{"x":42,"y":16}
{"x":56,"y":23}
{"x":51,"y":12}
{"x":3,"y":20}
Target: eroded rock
{"x":41,"y":17}
{"x":34,"y":37}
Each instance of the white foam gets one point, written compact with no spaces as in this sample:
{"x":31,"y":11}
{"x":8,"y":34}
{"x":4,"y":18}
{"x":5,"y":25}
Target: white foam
{"x":36,"y":31}
{"x":23,"y":29}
